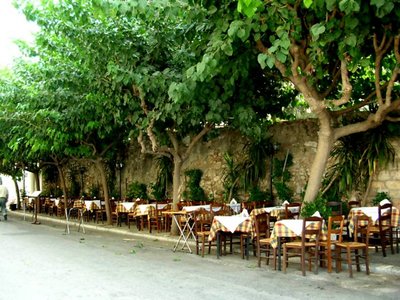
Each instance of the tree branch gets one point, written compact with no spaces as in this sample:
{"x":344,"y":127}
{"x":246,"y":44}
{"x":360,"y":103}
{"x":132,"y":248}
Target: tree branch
{"x":194,"y":141}
{"x":346,"y":87}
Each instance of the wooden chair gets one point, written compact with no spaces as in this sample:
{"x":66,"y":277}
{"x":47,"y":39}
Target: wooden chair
{"x":294,"y":213}
{"x":335,"y":232}
{"x":100,"y":213}
{"x":362,"y":227}
{"x":152,"y":219}
{"x":382,"y":234}
{"x":202,"y":223}
{"x":162,"y":218}
{"x":336,"y":208}
{"x":351,"y":204}
{"x":309,"y":244}
{"x":263,"y":240}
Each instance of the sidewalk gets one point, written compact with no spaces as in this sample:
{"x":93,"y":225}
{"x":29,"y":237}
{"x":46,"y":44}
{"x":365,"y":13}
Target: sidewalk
{"x":378,"y":264}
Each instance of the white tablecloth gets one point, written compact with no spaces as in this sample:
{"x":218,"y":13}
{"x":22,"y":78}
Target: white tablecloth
{"x":128,"y":205}
{"x":231,"y":222}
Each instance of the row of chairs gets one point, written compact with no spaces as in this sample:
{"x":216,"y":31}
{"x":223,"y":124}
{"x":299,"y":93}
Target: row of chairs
{"x":331,"y":249}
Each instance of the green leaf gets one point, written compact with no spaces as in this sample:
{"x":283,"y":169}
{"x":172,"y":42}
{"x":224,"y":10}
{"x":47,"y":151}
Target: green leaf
{"x":307,"y":3}
{"x":271,"y":62}
{"x":330,"y":4}
{"x":349,"y":6}
{"x":317,"y":30}
{"x":351,"y":40}
{"x":281,"y":57}
{"x":261,"y":58}
{"x":378,"y":3}
{"x":201,"y":67}
{"x":227,"y":49}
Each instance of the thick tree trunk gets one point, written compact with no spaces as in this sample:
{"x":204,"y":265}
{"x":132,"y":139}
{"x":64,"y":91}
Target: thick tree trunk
{"x":17,"y":192}
{"x":103,"y":178}
{"x":63,"y":185}
{"x":325,"y":144}
{"x":176,"y":183}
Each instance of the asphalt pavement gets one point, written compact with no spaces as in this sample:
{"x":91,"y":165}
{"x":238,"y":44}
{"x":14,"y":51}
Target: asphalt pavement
{"x":44,"y":262}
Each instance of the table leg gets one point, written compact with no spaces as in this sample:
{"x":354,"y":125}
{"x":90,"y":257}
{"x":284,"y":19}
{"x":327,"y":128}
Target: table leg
{"x":279,"y":254}
{"x":189,"y":227}
{"x":218,"y":243}
{"x":182,"y":236}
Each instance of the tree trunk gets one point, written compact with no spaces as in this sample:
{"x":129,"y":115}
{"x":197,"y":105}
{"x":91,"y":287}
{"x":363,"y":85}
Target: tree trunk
{"x":17,"y":192}
{"x":176,"y":183}
{"x":37,"y":179}
{"x":325,"y":144}
{"x":103,"y":178}
{"x":63,"y":185}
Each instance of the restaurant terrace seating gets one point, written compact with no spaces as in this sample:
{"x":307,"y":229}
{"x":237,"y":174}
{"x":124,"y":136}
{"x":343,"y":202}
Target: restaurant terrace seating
{"x":382,"y":233}
{"x":335,"y":232}
{"x":361,"y":234}
{"x":351,"y":204}
{"x":336,"y":208}
{"x":309,"y":245}
{"x":293,"y":210}
{"x":202,"y":223}
{"x":262,"y":239}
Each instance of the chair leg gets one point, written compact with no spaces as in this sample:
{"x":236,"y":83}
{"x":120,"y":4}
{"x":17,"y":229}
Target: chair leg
{"x":329,"y":259}
{"x":284,"y":259}
{"x":348,"y":256}
{"x":357,"y":260}
{"x":303,"y":262}
{"x":338,"y":256}
{"x":365,"y":252}
{"x":203,"y":244}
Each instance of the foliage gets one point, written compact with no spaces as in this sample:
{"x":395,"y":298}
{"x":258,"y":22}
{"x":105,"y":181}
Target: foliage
{"x":258,"y":195}
{"x":157,"y":191}
{"x":137,"y":190}
{"x":357,"y":158}
{"x":50,"y":174}
{"x":164,"y":177}
{"x":319,"y":204}
{"x":194,"y":191}
{"x":281,"y":176}
{"x":255,"y":168}
{"x":231,"y":177}
{"x":94,"y":191}
{"x":379,"y":197}
{"x":342,"y":56}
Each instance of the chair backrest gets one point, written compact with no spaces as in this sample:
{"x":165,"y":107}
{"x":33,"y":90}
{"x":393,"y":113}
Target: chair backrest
{"x":224,"y":211}
{"x":353,"y":204}
{"x":152,"y":212}
{"x":336,"y":208}
{"x":202,"y":219}
{"x":293,"y":210}
{"x":262,"y":225}
{"x":362,"y":226}
{"x":311,"y":231}
{"x":385,"y":215}
{"x":335,"y":228}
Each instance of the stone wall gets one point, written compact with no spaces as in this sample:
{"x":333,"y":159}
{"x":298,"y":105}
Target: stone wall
{"x":298,"y":138}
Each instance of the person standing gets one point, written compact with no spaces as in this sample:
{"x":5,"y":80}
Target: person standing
{"x":3,"y":199}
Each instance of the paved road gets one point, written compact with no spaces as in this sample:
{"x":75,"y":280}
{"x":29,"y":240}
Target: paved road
{"x":41,"y":262}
